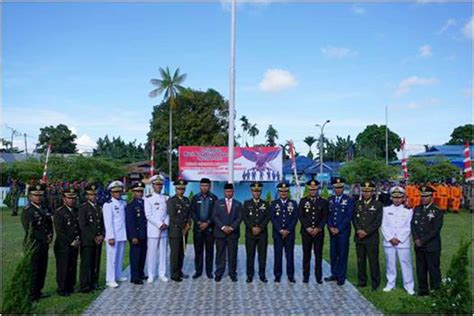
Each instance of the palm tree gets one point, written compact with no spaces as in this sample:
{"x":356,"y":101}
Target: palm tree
{"x":253,"y":131}
{"x":245,"y":127}
{"x":170,"y":86}
{"x":310,"y":140}
{"x":272,"y":136}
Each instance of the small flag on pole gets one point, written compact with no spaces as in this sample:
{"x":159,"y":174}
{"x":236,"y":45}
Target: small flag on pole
{"x":44,"y":179}
{"x":152,"y":158}
{"x":467,"y":163}
{"x":404,"y":160}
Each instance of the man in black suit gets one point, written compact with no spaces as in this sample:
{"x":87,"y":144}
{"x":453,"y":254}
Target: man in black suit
{"x":226,"y":217}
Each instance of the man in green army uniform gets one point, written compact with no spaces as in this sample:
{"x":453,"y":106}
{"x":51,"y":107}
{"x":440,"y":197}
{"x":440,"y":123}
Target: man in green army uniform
{"x":66,"y":245}
{"x":256,"y":215}
{"x":38,"y":226}
{"x":367,"y":219}
{"x":426,"y":226}
{"x":14,"y":196}
{"x":91,"y":224}
{"x":179,"y":211}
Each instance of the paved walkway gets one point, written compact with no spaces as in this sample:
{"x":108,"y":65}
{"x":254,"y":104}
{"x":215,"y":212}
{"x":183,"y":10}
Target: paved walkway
{"x":204,"y":296}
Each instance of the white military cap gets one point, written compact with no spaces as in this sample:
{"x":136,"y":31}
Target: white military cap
{"x":397,"y":191}
{"x":115,"y":186}
{"x":157,"y":179}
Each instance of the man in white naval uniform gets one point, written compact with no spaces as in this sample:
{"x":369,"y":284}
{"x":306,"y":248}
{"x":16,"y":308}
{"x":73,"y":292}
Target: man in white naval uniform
{"x":396,"y":240}
{"x":157,"y":230}
{"x":115,"y":234}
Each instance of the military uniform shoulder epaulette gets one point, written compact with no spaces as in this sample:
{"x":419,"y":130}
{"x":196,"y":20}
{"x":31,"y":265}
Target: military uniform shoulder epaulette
{"x":28,"y":206}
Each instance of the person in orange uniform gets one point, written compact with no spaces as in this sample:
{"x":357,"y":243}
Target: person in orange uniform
{"x":416,"y":196}
{"x":409,"y":190}
{"x":443,"y":195}
{"x":455,"y":197}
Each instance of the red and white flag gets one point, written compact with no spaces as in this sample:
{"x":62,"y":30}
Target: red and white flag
{"x":44,"y":179}
{"x":152,"y":158}
{"x":467,"y":163}
{"x":404,"y":160}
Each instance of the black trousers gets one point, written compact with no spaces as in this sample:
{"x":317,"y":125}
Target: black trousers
{"x":313,"y":244}
{"x":176,"y":257}
{"x":39,"y":263}
{"x":203,"y":242}
{"x":137,"y":260}
{"x":428,"y":263}
{"x":66,"y":269}
{"x":90,"y":267}
{"x":252,"y":246}
{"x":370,"y":252}
{"x":226,"y":247}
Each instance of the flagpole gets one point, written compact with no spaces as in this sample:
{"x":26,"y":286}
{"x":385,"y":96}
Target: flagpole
{"x":45,"y":171}
{"x":295,"y":172}
{"x":231,"y":96}
{"x":386,"y":135}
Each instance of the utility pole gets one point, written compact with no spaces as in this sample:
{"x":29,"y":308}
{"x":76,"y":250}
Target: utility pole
{"x":386,"y":135}
{"x":321,"y":140}
{"x":26,"y":146}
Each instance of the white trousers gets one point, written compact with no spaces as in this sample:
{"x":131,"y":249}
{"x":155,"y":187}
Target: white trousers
{"x":114,"y":261}
{"x":157,"y":252}
{"x":404,"y":256}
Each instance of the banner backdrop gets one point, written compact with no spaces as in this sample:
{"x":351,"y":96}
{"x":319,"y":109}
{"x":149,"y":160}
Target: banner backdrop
{"x":250,"y":163}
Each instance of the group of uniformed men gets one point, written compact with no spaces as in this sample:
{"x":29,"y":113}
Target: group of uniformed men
{"x":149,"y":224}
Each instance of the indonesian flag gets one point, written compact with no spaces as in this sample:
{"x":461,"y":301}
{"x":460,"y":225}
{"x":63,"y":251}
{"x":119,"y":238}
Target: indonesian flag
{"x":44,"y":179}
{"x":292,"y":156}
{"x":467,"y":164}
{"x":152,"y":158}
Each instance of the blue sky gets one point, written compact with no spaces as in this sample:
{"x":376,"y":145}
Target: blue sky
{"x":297,"y":64}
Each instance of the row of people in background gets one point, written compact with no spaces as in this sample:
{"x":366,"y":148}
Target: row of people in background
{"x":153,"y":223}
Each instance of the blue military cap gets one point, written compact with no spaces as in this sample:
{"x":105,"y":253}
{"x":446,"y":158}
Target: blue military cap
{"x":338,"y":182}
{"x":139,"y":186}
{"x":283,"y":186}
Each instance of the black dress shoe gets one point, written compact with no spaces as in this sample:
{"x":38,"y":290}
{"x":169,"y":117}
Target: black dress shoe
{"x":138,"y":281}
{"x":234,"y":279}
{"x":361,"y":285}
{"x":331,"y":278}
{"x":63,"y":293}
{"x":42,"y":295}
{"x":305,"y":280}
{"x":210,"y":276}
{"x":263,"y":279}
{"x":86,"y":290}
{"x":249,"y":280}
{"x":184,"y":276}
{"x":319,"y":281}
{"x":177,"y":279}
{"x":341,"y":282}
{"x":196,"y":275}
{"x":292,"y":280}
{"x":218,"y":279}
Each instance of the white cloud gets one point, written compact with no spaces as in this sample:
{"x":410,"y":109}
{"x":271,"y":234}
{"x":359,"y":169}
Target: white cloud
{"x":357,"y":9}
{"x":277,"y":80}
{"x":449,"y":23}
{"x":425,"y":51}
{"x":85,"y":143}
{"x":337,"y":52}
{"x":414,"y":105}
{"x":468,"y":29}
{"x":406,"y":84}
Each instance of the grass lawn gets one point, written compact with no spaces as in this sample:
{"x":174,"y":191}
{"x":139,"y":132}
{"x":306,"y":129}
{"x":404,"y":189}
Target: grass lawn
{"x":455,"y":227}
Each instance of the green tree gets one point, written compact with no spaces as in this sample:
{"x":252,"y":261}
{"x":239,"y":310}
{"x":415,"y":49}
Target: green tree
{"x":423,"y":170}
{"x":202,"y":122}
{"x":371,"y":143}
{"x":60,"y":137}
{"x":169,"y":85}
{"x":120,"y":150}
{"x":245,"y":128}
{"x":310,"y":140}
{"x":337,"y":151}
{"x":462,"y":134}
{"x":271,"y":135}
{"x":253,"y":132}
{"x":362,"y":169}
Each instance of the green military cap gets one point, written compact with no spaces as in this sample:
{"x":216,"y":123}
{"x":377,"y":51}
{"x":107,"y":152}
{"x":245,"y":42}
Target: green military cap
{"x":256,"y":186}
{"x":180,"y":184}
{"x":427,"y":191}
{"x":36,"y":188}
{"x":91,"y":189}
{"x":139,"y":186}
{"x":283,"y":186}
{"x":70,"y":192}
{"x":368,"y":186}
{"x":312,"y":184}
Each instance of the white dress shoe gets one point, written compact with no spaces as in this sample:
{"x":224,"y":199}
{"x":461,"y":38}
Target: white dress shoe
{"x":164,"y":279}
{"x":122,"y":279}
{"x":112,"y":284}
{"x":387,"y":289}
{"x":149,"y":280}
{"x":411,"y":293}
